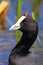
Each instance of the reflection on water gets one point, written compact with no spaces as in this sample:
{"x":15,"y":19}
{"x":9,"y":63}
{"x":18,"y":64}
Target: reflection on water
{"x":7,"y":42}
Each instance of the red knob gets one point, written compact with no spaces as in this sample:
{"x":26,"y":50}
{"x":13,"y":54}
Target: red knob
{"x":25,"y":14}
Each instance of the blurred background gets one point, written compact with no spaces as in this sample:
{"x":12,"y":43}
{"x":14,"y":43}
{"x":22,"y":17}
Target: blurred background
{"x":15,"y":9}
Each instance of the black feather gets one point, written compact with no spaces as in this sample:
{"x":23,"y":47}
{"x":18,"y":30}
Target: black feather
{"x":29,"y":28}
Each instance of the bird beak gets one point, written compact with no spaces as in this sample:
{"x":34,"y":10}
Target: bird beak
{"x":17,"y":25}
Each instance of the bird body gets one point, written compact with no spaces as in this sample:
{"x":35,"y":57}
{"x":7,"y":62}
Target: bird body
{"x":20,"y":52}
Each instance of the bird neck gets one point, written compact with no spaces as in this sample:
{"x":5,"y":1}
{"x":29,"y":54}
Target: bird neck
{"x":22,"y":46}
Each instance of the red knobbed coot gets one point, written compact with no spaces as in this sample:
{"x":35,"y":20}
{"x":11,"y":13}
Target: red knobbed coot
{"x":20,"y":52}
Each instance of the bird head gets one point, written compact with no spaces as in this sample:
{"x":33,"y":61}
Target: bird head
{"x":25,"y":24}
{"x":20,"y":23}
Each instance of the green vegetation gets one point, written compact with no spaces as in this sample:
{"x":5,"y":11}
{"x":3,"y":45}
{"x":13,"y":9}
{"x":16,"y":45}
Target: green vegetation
{"x":35,"y":8}
{"x":18,"y":14}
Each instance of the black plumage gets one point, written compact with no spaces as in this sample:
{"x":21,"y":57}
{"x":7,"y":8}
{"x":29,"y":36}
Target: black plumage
{"x":29,"y":28}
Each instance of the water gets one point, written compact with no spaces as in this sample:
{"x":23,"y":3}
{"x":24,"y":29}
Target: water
{"x":7,"y":42}
{"x":7,"y":38}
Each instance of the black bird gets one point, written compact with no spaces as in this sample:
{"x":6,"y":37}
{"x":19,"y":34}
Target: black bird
{"x":20,"y":52}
